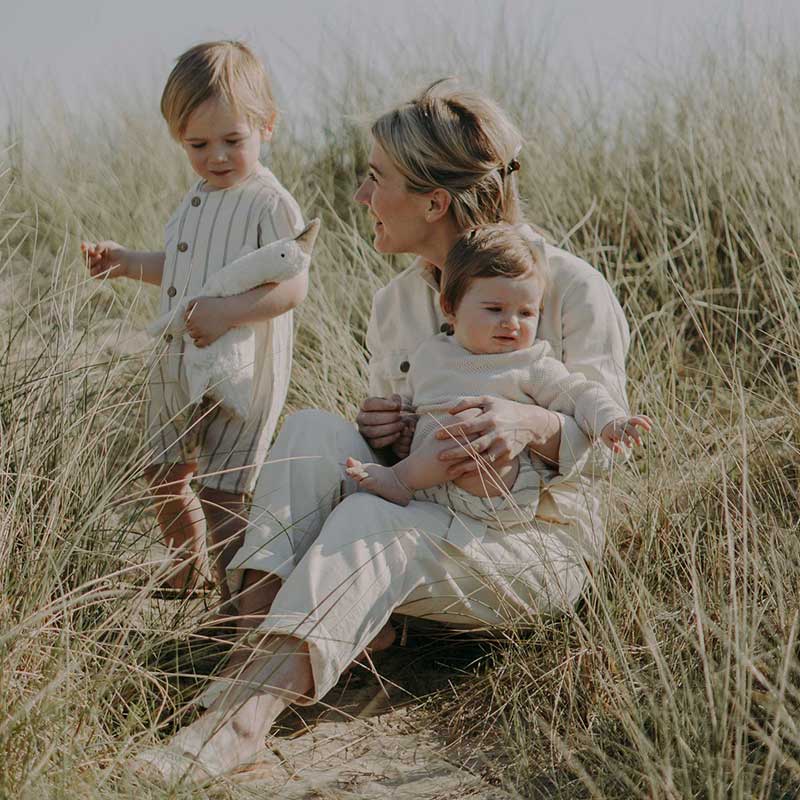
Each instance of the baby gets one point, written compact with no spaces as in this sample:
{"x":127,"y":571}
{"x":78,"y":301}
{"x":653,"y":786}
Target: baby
{"x":491,"y":294}
{"x":219,"y":106}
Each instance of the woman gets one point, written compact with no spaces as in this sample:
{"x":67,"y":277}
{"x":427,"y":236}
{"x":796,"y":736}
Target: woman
{"x":321,"y":568}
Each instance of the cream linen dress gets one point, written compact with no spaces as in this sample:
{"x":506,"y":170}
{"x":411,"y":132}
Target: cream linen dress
{"x":348,"y":560}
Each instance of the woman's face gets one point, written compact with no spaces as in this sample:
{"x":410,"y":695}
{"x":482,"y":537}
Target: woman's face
{"x":400,"y":223}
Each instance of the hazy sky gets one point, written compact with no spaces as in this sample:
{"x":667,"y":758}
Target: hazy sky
{"x":81,"y":47}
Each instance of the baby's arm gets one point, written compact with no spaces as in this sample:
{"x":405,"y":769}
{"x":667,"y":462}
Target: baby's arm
{"x":111,"y":260}
{"x":423,"y":469}
{"x":551,"y":385}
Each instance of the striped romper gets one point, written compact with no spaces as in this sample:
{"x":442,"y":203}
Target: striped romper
{"x":209,"y":229}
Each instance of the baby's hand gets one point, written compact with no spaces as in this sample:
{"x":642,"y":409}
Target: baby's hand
{"x":207,"y":320}
{"x":106,"y":259}
{"x":624,"y":432}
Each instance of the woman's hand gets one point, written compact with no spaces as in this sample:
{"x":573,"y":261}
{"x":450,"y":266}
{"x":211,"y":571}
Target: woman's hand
{"x":401,"y":446}
{"x":206,"y":320}
{"x":106,"y":259}
{"x":381,"y":420}
{"x":499,"y":431}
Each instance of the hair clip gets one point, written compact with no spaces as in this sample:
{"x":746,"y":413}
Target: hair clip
{"x":513,"y":166}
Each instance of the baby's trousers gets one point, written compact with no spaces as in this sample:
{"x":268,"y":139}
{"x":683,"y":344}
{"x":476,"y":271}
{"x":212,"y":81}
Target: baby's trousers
{"x":348,"y":560}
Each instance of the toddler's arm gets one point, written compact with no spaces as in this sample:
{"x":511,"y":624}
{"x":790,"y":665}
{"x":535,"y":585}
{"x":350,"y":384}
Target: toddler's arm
{"x":248,"y":286}
{"x":111,"y":260}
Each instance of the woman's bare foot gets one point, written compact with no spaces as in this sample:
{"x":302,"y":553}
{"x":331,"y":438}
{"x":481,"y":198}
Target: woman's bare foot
{"x":379,"y":480}
{"x":206,"y":749}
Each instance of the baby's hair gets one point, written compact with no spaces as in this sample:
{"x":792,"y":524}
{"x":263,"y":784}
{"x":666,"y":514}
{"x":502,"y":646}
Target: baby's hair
{"x":510,"y":251}
{"x":223,"y":70}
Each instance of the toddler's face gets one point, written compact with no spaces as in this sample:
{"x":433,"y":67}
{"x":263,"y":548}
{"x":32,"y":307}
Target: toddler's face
{"x":222,"y":145}
{"x":498,"y":315}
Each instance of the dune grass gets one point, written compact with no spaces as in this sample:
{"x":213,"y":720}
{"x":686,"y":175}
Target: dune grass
{"x":678,"y":675}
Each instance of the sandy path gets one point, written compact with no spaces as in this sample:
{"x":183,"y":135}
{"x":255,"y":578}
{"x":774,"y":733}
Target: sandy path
{"x":366,"y":745}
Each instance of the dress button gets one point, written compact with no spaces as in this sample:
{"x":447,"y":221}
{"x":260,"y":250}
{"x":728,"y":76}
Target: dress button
{"x":405,"y":366}
{"x":172,"y":291}
{"x":183,"y":247}
{"x":196,"y":201}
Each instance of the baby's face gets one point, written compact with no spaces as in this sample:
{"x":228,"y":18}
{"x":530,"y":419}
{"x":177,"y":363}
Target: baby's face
{"x":222,"y":145}
{"x":498,"y":315}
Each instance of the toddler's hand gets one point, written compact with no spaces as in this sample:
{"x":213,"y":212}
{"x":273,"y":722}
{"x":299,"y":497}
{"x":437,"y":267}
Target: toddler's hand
{"x":624,"y":432}
{"x":207,"y":320}
{"x":106,"y":259}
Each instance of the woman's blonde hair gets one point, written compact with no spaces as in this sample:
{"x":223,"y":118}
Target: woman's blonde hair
{"x":508,"y":251}
{"x":459,"y":141}
{"x":227,"y":71}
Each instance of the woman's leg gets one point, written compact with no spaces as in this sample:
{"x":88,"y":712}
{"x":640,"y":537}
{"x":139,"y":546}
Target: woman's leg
{"x":180,"y":518}
{"x":299,"y":485}
{"x":370,"y":558}
{"x":234,"y":727}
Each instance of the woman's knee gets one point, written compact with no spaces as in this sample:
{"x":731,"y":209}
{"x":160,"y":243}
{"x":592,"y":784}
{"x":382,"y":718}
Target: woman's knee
{"x":310,"y":422}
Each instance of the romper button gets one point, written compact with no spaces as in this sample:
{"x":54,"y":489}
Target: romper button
{"x":195,"y":201}
{"x":183,"y":247}
{"x":172,"y":291}
{"x":405,"y":366}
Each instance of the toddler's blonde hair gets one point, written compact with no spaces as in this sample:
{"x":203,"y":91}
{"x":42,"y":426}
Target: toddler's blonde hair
{"x":224,"y":70}
{"x":460,"y":141}
{"x":510,"y":251}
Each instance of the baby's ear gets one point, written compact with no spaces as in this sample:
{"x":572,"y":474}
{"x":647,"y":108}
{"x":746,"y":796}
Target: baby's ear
{"x":306,"y":238}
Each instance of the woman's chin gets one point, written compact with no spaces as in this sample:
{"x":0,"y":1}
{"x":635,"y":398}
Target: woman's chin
{"x":381,"y":245}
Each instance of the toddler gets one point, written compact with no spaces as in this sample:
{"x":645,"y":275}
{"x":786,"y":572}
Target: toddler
{"x":491,"y":294}
{"x":219,"y":106}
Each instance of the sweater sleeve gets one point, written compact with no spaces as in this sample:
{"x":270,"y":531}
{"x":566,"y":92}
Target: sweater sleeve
{"x":595,"y":342}
{"x":554,"y":387}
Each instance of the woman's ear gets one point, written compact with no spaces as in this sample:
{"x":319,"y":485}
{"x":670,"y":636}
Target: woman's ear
{"x":438,"y":204}
{"x":448,"y":315}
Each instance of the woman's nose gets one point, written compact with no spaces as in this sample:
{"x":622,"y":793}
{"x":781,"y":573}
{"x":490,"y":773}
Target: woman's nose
{"x":363,"y":193}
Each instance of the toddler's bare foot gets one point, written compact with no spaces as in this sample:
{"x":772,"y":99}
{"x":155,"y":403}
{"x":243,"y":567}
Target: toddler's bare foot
{"x":379,"y":480}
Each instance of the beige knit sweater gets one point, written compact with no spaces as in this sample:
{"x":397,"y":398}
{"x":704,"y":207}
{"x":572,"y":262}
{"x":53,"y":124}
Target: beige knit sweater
{"x":442,"y":372}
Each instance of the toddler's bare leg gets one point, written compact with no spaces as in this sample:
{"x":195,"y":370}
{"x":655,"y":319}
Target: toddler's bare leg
{"x":226,"y":520}
{"x":180,"y":518}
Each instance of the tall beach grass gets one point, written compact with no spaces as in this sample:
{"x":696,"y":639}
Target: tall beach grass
{"x":677,"y":677}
